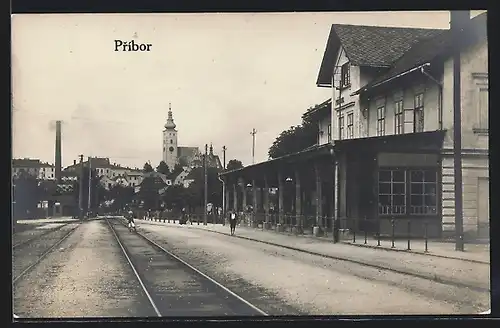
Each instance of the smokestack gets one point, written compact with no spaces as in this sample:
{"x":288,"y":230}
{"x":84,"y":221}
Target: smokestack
{"x":58,"y":160}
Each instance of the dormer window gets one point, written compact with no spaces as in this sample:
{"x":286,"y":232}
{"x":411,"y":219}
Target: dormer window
{"x":345,"y":74}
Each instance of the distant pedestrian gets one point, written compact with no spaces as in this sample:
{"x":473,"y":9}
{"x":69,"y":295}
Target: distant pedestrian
{"x":232,"y":222}
{"x":183,"y":219}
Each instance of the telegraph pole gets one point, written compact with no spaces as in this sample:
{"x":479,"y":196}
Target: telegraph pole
{"x":14,"y":206}
{"x":80,"y":194}
{"x":223,"y":186}
{"x":224,"y":157}
{"x":458,"y":20}
{"x":90,"y":187}
{"x":206,"y":185}
{"x":253,"y":133}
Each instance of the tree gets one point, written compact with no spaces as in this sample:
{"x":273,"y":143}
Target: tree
{"x":122,"y":195}
{"x":295,"y":139}
{"x":147,"y":168}
{"x":163,"y":168}
{"x":175,"y":197}
{"x":196,"y":190}
{"x":234,"y":164}
{"x":149,"y":191}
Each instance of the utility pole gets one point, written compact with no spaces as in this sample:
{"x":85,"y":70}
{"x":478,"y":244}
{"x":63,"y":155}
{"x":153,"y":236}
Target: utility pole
{"x":223,"y":186}
{"x":90,"y":187}
{"x":224,"y":157}
{"x":14,"y":206}
{"x":253,"y":133}
{"x":458,"y":20}
{"x":206,"y":185}
{"x":80,"y":194}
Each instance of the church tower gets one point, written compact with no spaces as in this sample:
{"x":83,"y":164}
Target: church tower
{"x":170,"y":141}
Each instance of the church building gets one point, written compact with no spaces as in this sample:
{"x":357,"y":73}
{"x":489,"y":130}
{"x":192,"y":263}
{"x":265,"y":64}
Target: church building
{"x":186,"y":156}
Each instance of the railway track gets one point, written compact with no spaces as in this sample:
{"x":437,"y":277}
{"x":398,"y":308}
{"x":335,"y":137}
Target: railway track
{"x":36,"y":236}
{"x":475,"y":286}
{"x":27,"y":254}
{"x":172,"y":286}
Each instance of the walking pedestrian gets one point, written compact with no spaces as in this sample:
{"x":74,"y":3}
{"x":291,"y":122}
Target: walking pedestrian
{"x":232,"y":222}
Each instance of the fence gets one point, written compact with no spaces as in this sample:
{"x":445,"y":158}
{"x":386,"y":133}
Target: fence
{"x":173,"y":216}
{"x":389,"y":232}
{"x":401,"y":233}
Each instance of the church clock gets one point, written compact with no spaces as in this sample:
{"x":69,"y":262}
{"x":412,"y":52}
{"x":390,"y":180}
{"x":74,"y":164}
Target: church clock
{"x":171,"y":149}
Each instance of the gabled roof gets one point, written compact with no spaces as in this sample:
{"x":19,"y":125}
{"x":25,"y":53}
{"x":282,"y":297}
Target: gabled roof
{"x":373,"y":46}
{"x":428,"y":50}
{"x":214,"y":161}
{"x":158,"y":177}
{"x":420,"y":54}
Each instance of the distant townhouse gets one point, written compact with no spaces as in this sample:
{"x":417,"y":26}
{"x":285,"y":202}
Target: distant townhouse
{"x":47,"y":171}
{"x":157,"y":181}
{"x":110,"y":173}
{"x":384,"y":153}
{"x":34,"y":167}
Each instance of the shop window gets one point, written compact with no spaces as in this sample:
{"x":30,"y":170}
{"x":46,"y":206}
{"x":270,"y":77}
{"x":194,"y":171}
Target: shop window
{"x":392,"y":192}
{"x":423,"y":192}
{"x":408,"y":192}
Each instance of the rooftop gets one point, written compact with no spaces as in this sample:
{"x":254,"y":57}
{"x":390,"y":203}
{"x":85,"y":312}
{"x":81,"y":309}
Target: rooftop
{"x":29,"y":163}
{"x":429,"y":50}
{"x":373,"y":46}
{"x":102,"y":162}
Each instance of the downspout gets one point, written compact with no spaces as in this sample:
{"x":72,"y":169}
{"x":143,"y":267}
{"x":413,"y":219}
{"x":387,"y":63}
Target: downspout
{"x":440,"y":97}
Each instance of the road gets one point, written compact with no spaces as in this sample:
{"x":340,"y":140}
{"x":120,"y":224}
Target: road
{"x":102,"y":270}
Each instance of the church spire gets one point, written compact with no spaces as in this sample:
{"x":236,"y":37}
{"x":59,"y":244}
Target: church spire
{"x":211,"y":149}
{"x":170,"y":125}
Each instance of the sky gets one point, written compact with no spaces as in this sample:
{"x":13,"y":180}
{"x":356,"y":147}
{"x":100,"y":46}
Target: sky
{"x":224,"y":74}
